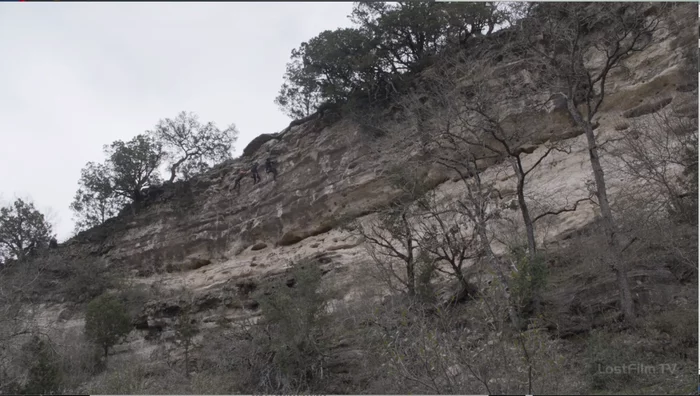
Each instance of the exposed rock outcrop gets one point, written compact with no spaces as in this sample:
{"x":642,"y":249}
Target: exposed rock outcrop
{"x":221,"y":245}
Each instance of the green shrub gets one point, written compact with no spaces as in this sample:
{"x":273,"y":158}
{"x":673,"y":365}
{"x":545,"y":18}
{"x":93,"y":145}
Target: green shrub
{"x":185,"y":330}
{"x":629,"y":364}
{"x":106,"y":322}
{"x":425,"y":273}
{"x":86,"y":280}
{"x":44,"y":374}
{"x":286,"y":349}
{"x":603,"y":351}
{"x":135,"y":297}
{"x":680,"y":325}
{"x":296,"y":315}
{"x":529,"y":281}
{"x":123,"y":379}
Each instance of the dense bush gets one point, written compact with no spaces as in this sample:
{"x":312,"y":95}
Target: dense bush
{"x":44,"y":371}
{"x":23,"y":231}
{"x":390,"y":41}
{"x":87,"y":280}
{"x":627,"y":363}
{"x":286,"y":348}
{"x":131,"y":168}
{"x":106,"y":322}
{"x":294,"y":319}
{"x":528,"y":281}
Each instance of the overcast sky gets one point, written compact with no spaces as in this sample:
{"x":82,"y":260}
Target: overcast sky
{"x":76,"y":76}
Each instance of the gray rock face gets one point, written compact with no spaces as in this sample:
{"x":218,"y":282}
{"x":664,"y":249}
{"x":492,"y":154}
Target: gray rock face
{"x":216,"y":241}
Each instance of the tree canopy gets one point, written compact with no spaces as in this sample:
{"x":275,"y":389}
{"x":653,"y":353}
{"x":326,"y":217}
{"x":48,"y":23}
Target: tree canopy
{"x":95,"y":200}
{"x":134,"y":165}
{"x":106,"y":322}
{"x":23,"y":229}
{"x":389,"y":41}
{"x":105,"y":188}
{"x":185,"y":144}
{"x":190,"y":146}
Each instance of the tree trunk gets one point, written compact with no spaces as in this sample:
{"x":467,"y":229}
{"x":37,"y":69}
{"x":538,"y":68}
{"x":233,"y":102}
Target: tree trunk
{"x":187,"y":359}
{"x":467,"y":291}
{"x":499,"y":266}
{"x":410,"y":265}
{"x":536,"y":303}
{"x":626,"y":301}
{"x":422,"y":133}
{"x":173,"y":169}
{"x":618,"y":266}
{"x":491,"y":26}
{"x":527,"y":220}
{"x":136,"y":195}
{"x":529,"y":228}
{"x":410,"y":274}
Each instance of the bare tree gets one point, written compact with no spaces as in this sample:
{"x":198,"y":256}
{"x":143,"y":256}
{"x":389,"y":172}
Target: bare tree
{"x":559,"y":40}
{"x":17,"y":318}
{"x":461,"y":136}
{"x":448,"y":237}
{"x":477,"y":205}
{"x":452,"y":148}
{"x":660,"y":156}
{"x":434,"y":351}
{"x":416,"y":232}
{"x":391,"y":236}
{"x":483,"y":109}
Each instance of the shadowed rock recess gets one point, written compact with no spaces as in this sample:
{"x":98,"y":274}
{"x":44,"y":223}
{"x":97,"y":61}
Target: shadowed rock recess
{"x":201,"y":239}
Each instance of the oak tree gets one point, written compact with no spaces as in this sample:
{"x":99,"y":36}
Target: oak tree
{"x":95,"y":201}
{"x":134,"y":165}
{"x":191,"y":146}
{"x":23,"y":229}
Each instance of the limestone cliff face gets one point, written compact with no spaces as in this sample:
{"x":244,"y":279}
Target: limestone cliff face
{"x":203,"y":235}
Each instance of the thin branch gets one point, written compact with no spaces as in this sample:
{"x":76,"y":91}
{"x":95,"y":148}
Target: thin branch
{"x":560,"y":211}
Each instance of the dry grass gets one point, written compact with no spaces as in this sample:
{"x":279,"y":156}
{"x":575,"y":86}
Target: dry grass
{"x":419,"y":349}
{"x":614,"y":359}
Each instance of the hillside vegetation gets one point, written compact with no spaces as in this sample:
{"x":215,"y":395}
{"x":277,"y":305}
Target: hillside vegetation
{"x":475,"y":198}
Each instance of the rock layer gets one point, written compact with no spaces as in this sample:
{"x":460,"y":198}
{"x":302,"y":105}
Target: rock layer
{"x":204,"y":236}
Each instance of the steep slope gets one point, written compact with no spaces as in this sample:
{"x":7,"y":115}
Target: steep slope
{"x":216,"y":243}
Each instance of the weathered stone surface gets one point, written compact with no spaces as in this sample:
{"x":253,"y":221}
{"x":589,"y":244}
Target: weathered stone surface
{"x":197,"y":263}
{"x":256,"y":143}
{"x":333,"y":169}
{"x":647,"y":108}
{"x":259,"y":246}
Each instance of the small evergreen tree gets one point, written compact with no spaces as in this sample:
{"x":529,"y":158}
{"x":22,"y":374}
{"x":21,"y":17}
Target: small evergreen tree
{"x":23,"y":229}
{"x":529,"y":281}
{"x":95,"y":201}
{"x":290,"y":331}
{"x":185,"y":330}
{"x":106,"y":322}
{"x":44,"y":374}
